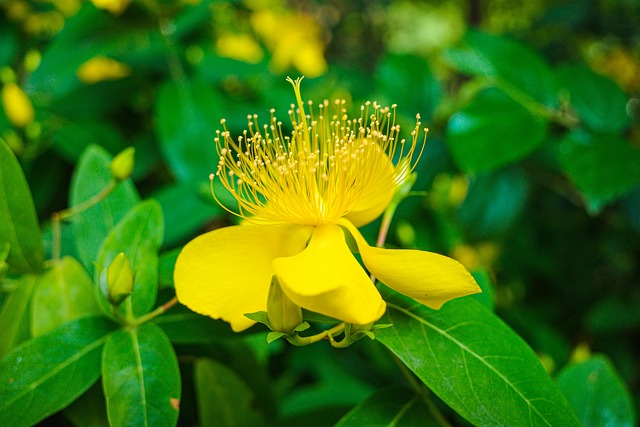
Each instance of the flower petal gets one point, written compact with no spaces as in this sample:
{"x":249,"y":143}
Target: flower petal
{"x":429,"y":278}
{"x":327,"y":279}
{"x":226,"y":273}
{"x":378,"y":194}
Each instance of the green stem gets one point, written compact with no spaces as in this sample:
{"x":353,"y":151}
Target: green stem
{"x":155,"y":313}
{"x":297,"y":340}
{"x":58,"y":217}
{"x":90,"y":202}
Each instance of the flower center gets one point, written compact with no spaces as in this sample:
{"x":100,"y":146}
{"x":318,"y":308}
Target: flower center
{"x":322,"y":170}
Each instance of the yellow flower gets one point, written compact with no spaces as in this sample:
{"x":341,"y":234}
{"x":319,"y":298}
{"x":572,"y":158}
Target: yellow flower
{"x":17,"y":105}
{"x":101,"y":68}
{"x":301,"y":197}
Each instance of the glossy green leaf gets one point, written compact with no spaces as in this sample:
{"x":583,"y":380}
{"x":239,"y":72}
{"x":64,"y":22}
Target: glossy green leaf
{"x":492,"y":131}
{"x":602,"y":166}
{"x":477,"y":365}
{"x":187,"y":116}
{"x":183,"y":326}
{"x":139,"y":236}
{"x":18,"y":221}
{"x":62,"y":294}
{"x":141,"y":378}
{"x":92,"y":175}
{"x":14,"y":315}
{"x":224,"y":400}
{"x":597,"y":394}
{"x":495,"y":57}
{"x":393,"y":406}
{"x":600,"y":104}
{"x":186,"y":210}
{"x":44,"y":375}
{"x":493,"y":203}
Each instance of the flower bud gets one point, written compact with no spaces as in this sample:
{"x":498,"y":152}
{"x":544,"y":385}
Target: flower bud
{"x":122,"y":165}
{"x":17,"y":105}
{"x":284,"y":315}
{"x":116,"y":281}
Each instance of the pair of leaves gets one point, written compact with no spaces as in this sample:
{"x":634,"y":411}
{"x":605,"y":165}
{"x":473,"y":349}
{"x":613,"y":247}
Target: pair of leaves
{"x":140,"y":373}
{"x":119,"y":223}
{"x":92,"y":175}
{"x":505,"y":123}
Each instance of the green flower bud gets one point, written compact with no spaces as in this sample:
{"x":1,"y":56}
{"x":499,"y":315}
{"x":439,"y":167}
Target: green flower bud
{"x":284,"y":315}
{"x":116,"y":281}
{"x":122,"y":165}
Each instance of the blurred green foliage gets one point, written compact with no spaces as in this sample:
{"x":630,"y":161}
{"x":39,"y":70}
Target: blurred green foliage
{"x":531,"y":175}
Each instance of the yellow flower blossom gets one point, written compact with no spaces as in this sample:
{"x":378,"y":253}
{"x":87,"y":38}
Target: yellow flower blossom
{"x":302,"y":196}
{"x":17,"y":105}
{"x":101,"y":68}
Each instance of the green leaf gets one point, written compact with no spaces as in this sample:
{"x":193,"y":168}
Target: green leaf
{"x":224,"y":400}
{"x":18,"y":221}
{"x":44,"y":375}
{"x":602,"y":166}
{"x":183,"y":326}
{"x":139,"y":236}
{"x":62,"y":294}
{"x":392,"y":406}
{"x":493,"y":203}
{"x":597,"y":100}
{"x":494,"y":57}
{"x":492,"y":131}
{"x":597,"y":394}
{"x":477,"y":365}
{"x":14,"y":316}
{"x":92,"y":175}
{"x":141,"y":378}
{"x":187,"y":114}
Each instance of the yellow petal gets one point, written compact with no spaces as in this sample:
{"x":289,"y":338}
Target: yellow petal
{"x":327,"y":279}
{"x":375,"y":199}
{"x":227,"y":272}
{"x":427,"y":277}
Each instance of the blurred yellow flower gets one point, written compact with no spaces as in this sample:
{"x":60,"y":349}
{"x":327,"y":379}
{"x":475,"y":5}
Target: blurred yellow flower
{"x":301,"y":197}
{"x":114,"y":6}
{"x":241,"y":47}
{"x":294,"y":40}
{"x":101,"y":68}
{"x":17,"y":105}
